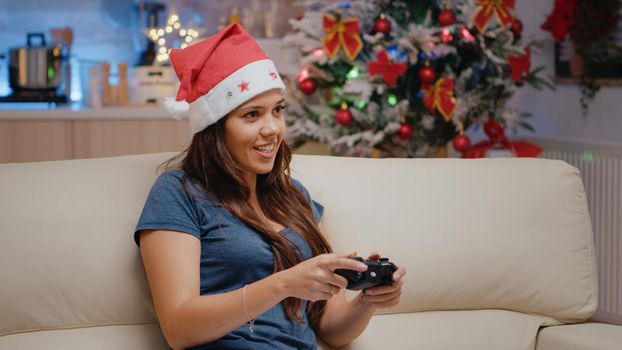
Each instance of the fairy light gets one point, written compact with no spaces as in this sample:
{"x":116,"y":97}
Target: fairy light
{"x":353,"y":73}
{"x":392,"y":100}
{"x":304,"y":74}
{"x":466,"y":34}
{"x":446,"y":35}
{"x":170,"y":34}
{"x":318,"y":52}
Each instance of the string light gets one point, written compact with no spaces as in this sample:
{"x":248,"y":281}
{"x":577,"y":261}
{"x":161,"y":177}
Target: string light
{"x":392,"y":100}
{"x":169,"y":35}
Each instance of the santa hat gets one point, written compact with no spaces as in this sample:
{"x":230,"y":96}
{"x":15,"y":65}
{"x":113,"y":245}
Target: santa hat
{"x":219,"y":74}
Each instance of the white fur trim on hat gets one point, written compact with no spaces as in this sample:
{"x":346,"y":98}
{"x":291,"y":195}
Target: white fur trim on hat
{"x":240,"y":86}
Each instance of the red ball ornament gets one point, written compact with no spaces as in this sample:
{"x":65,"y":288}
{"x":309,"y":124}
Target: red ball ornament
{"x":307,"y":86}
{"x":382,"y":25}
{"x":493,"y":130}
{"x":405,"y":132}
{"x":461,"y":143}
{"x":344,"y":116}
{"x":446,"y":17}
{"x":427,"y":75}
{"x":516,"y":27}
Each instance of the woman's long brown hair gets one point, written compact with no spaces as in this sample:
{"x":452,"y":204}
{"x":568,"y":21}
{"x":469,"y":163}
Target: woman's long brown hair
{"x":208,"y":164}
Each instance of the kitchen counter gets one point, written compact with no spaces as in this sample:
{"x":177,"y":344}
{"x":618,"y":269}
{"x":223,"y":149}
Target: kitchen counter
{"x":32,"y":112}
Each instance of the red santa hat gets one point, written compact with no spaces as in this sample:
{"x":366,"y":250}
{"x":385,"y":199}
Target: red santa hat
{"x":219,"y":74}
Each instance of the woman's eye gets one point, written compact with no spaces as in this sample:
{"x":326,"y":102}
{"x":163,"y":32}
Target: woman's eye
{"x":279,"y":109}
{"x":251,"y":115}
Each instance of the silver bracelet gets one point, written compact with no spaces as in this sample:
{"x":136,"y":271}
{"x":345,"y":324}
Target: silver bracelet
{"x":251,"y":321}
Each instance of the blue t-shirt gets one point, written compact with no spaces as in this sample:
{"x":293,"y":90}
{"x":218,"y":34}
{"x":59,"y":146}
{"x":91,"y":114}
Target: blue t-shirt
{"x":232,"y":255}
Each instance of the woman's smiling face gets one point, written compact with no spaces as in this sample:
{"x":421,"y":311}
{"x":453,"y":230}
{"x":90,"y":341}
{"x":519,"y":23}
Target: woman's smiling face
{"x":254,"y":131}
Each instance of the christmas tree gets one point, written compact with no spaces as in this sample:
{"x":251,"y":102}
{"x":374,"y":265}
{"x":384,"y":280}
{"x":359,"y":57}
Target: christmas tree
{"x":404,"y":78}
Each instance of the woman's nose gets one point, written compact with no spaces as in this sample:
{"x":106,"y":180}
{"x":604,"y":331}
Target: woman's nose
{"x":269,"y":127}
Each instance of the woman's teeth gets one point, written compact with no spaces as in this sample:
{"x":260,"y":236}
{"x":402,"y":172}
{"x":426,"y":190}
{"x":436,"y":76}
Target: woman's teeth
{"x":265,"y":148}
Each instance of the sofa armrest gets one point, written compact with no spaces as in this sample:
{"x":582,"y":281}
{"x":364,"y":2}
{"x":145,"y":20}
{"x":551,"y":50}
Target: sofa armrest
{"x":587,"y":336}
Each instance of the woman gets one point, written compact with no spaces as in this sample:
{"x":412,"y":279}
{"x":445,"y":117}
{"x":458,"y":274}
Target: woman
{"x":233,"y":247}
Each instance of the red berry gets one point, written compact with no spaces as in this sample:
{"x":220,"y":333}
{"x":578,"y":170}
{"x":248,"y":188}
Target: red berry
{"x":427,"y":75}
{"x":446,"y":17}
{"x":517,"y":26}
{"x":382,"y":25}
{"x":405,"y":132}
{"x":461,"y":143}
{"x":344,"y":116}
{"x":307,"y":86}
{"x":493,"y":130}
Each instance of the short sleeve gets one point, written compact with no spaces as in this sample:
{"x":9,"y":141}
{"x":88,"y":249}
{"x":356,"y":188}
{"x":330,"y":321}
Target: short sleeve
{"x":169,"y":207}
{"x":317,"y":208}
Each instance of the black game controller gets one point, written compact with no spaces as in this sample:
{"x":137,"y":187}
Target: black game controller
{"x":379,"y":272}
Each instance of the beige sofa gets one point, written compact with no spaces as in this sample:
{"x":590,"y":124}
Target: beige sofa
{"x":499,"y":252}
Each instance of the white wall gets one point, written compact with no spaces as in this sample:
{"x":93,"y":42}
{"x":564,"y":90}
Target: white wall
{"x":557,"y":114}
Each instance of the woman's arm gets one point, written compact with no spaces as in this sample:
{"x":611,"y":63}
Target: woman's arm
{"x":343,"y":320}
{"x":172,"y":263}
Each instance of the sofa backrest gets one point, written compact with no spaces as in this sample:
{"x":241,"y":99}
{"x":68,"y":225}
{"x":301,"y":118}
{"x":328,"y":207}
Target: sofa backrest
{"x":474,"y":234}
{"x":496,"y":233}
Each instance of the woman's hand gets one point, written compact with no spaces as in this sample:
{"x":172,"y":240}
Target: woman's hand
{"x":384,"y":296}
{"x":315,"y":279}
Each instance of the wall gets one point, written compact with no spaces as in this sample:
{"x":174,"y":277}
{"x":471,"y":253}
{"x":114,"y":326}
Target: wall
{"x":557,"y":114}
{"x":103,"y":31}
{"x":110,"y":29}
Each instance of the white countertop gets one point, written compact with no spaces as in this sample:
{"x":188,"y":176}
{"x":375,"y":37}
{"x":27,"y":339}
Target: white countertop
{"x":18,"y":112}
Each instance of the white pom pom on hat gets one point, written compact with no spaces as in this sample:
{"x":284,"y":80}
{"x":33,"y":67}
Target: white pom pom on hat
{"x":219,"y":74}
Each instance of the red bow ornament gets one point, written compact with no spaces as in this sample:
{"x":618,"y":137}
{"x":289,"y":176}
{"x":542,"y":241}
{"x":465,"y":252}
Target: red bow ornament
{"x":520,"y":65}
{"x":488,"y":8}
{"x":562,"y":18}
{"x":518,"y":148}
{"x":498,"y":141}
{"x":388,"y":69}
{"x":440,"y":95}
{"x":342,"y":32}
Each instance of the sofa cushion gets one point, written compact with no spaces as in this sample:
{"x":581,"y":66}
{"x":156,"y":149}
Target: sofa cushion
{"x":67,"y":254}
{"x":126,"y":337}
{"x":442,"y":330}
{"x":509,"y":234}
{"x":588,"y":336}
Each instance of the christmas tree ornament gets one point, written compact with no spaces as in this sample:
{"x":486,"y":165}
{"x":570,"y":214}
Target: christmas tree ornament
{"x":344,"y":116}
{"x":516,"y":27}
{"x":389,"y":70}
{"x":405,"y":132}
{"x":427,"y":74}
{"x":307,"y":86}
{"x":493,"y":130}
{"x":434,"y":69}
{"x":520,"y":65}
{"x":341,"y":33}
{"x":446,"y":17}
{"x":501,"y":9}
{"x":440,"y":96}
{"x":382,"y":25}
{"x":461,"y":143}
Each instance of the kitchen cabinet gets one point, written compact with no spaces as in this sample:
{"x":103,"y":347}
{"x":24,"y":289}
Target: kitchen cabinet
{"x":31,"y":141}
{"x":107,"y":138}
{"x":54,"y":135}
